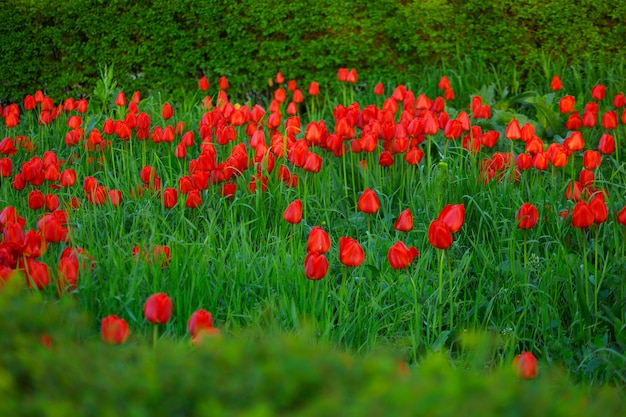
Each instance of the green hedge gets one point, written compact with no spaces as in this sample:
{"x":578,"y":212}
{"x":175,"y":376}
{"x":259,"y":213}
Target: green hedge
{"x":168,"y":45}
{"x":250,"y":375}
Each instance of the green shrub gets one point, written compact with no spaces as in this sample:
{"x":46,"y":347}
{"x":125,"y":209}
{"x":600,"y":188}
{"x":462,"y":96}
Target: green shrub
{"x":166,"y":46}
{"x":277,"y":374}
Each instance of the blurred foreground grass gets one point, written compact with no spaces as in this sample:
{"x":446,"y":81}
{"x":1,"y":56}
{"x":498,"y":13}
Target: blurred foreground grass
{"x":245,"y":374}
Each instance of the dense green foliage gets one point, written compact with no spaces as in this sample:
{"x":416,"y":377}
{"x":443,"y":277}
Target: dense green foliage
{"x":278,"y":375}
{"x":165,"y":46}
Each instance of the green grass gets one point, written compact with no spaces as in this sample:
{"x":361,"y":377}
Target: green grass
{"x":555,"y":290}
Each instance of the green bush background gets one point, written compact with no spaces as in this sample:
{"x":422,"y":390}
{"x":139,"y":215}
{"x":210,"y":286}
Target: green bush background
{"x":247,"y":375}
{"x":165,"y":46}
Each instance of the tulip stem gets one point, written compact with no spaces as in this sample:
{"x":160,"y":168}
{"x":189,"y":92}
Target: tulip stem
{"x":428,"y":160}
{"x":440,"y":293}
{"x":155,"y":335}
{"x":596,"y":279}
{"x":525,"y":253}
{"x":418,"y":323}
{"x":451,"y":313}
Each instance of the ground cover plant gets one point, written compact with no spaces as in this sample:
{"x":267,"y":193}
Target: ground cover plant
{"x":395,"y":217}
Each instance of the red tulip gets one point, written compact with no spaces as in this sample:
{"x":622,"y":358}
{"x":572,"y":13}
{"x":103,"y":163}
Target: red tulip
{"x":312,"y":163}
{"x":513,"y":130}
{"x":170,"y":197}
{"x":368,"y":202}
{"x":527,"y":216}
{"x":293,"y":212}
{"x":525,"y":365}
{"x":314,"y":88}
{"x":315,"y":266}
{"x":223,"y":83}
{"x":228,"y":190}
{"x":114,"y":330}
{"x":37,"y":274}
{"x":609,"y":120}
{"x":582,"y":217}
{"x":598,"y":92}
{"x":36,"y":200}
{"x":203,"y":84}
{"x":68,"y":273}
{"x":573,"y":121}
{"x":52,"y":202}
{"x":158,"y":308}
{"x":167,"y":112}
{"x":621,"y":216}
{"x":453,"y":216}
{"x":589,"y":119}
{"x":350,"y":252}
{"x":598,"y":208}
{"x":591,"y":159}
{"x":193,"y":199}
{"x":198,"y":321}
{"x":566,"y":104}
{"x":379,"y":89}
{"x":120,"y":100}
{"x":573,"y":191}
{"x":556,"y":83}
{"x":352,"y":76}
{"x":319,"y":241}
{"x":606,"y":144}
{"x":6,"y":167}
{"x":29,"y":102}
{"x":444,"y":83}
{"x":400,"y":256}
{"x":342,"y":74}
{"x":405,"y":221}
{"x":439,"y":235}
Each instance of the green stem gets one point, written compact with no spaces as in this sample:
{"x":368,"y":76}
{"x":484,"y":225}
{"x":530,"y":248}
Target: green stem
{"x":155,"y":335}
{"x":440,"y":292}
{"x":451,"y":313}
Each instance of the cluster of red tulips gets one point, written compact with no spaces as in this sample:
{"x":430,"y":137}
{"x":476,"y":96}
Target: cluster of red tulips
{"x":158,"y":311}
{"x":232,"y":141}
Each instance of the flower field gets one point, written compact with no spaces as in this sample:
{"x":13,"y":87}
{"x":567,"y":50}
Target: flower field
{"x":401,"y":217}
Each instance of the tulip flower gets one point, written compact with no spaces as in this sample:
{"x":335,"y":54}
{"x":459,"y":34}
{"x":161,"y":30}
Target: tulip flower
{"x":158,"y":308}
{"x":556,"y":84}
{"x":350,"y":252}
{"x":609,"y":120}
{"x":114,"y":330}
{"x":513,"y":130}
{"x":203,"y":84}
{"x":527,"y":216}
{"x":314,"y":88}
{"x":170,"y":197}
{"x":400,"y":256}
{"x":368,"y":202}
{"x":606,"y":145}
{"x":199,"y":320}
{"x":598,"y":208}
{"x":598,"y":92}
{"x":582,"y":216}
{"x":439,"y":235}
{"x":525,"y":365}
{"x":405,"y":221}
{"x":319,"y":241}
{"x":453,"y":216}
{"x":293,"y":212}
{"x":566,"y":104}
{"x":315,"y":266}
{"x":120,"y":100}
